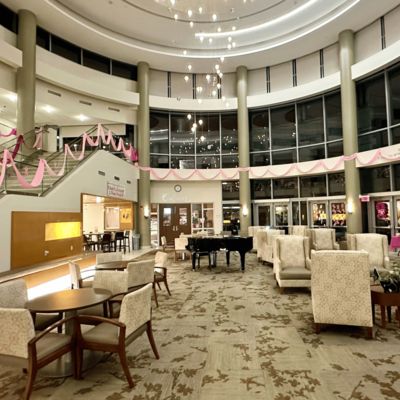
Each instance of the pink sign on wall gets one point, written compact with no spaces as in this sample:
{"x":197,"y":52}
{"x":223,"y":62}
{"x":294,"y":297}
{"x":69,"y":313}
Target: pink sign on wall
{"x":364,"y":198}
{"x":115,"y":190}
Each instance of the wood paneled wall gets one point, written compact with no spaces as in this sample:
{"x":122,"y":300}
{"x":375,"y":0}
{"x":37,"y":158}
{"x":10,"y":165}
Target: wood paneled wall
{"x":28,"y":243}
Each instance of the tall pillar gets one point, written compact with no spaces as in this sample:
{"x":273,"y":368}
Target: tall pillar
{"x":243,"y":141}
{"x":350,"y":138}
{"x":144,"y":155}
{"x":26,"y":75}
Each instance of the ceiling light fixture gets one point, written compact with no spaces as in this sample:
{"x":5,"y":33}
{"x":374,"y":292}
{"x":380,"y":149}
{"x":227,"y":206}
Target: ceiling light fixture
{"x":200,"y":122}
{"x":222,"y":59}
{"x":189,"y":117}
{"x":201,"y":38}
{"x":191,"y":24}
{"x":13,"y":97}
{"x":214,"y":93}
{"x":214,"y":17}
{"x":208,"y":77}
{"x":184,"y":52}
{"x":186,"y":78}
{"x":219,"y":29}
{"x":227,"y":104}
{"x":200,"y":101}
{"x":200,"y":10}
{"x":234,"y":28}
{"x":82,"y":117}
{"x":172,"y":2}
{"x":210,"y":40}
{"x":229,"y":39}
{"x":190,"y":12}
{"x":189,"y":67}
{"x":218,"y":86}
{"x":199,"y":89}
{"x":49,"y":109}
{"x":216,"y":66}
{"x":221,"y":74}
{"x":176,"y":16}
{"x":233,"y":44}
{"x":229,"y":46}
{"x":223,"y":98}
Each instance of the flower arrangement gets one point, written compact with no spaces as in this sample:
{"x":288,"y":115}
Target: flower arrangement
{"x":390,"y":280}
{"x":382,"y":210}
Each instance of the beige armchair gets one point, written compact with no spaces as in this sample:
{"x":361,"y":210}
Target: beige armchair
{"x":267,"y":250}
{"x":298,"y":230}
{"x":292,"y":264}
{"x":21,"y":347}
{"x":340,"y":289}
{"x":180,"y":247}
{"x":14,"y":294}
{"x":113,"y":336}
{"x":108,"y":257}
{"x":253,"y":231}
{"x":77,"y":282}
{"x":375,"y":245}
{"x":322,"y":239}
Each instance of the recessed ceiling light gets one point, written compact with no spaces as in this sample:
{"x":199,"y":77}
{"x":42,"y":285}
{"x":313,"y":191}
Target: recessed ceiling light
{"x":233,"y":44}
{"x":189,"y":67}
{"x":214,"y":93}
{"x":222,"y":59}
{"x":223,"y":98}
{"x":191,"y":24}
{"x":13,"y":97}
{"x":49,"y":109}
{"x":201,"y":38}
{"x":186,"y":78}
{"x":176,"y":16}
{"x":234,"y":28}
{"x":184,"y":52}
{"x":227,"y":104}
{"x":219,"y":29}
{"x":210,"y":40}
{"x":172,"y":2}
{"x":229,"y":46}
{"x":200,"y":10}
{"x":214,"y":17}
{"x":190,"y":12}
{"x":82,"y":117}
{"x":229,"y":39}
{"x":200,"y":101}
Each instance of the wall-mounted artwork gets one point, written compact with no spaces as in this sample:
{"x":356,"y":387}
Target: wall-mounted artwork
{"x":126,"y":215}
{"x":112,"y":218}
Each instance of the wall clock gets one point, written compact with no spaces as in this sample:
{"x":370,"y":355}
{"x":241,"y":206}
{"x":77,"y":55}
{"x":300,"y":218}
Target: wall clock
{"x":178,"y":188}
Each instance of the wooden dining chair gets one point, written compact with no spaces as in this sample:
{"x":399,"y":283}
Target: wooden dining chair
{"x":126,"y":240}
{"x":160,"y":271}
{"x":114,"y":336}
{"x":120,"y":238}
{"x":14,"y":294}
{"x":77,"y":282}
{"x":88,"y":244}
{"x":166,"y":248}
{"x":21,"y":347}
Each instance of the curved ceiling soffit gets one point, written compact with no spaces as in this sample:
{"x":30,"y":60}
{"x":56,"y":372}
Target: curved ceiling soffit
{"x":199,"y":54}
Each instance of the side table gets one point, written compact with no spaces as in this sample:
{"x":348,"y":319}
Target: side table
{"x":379,"y":297}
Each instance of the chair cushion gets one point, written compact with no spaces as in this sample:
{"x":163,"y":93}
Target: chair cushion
{"x":372,"y":244}
{"x":51,"y":343}
{"x":323,"y":239}
{"x":98,"y":311}
{"x":87,"y":284}
{"x":295,"y":274}
{"x":43,"y":321}
{"x":291,"y":252}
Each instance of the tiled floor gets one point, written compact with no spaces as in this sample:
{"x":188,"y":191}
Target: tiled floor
{"x":233,"y":336}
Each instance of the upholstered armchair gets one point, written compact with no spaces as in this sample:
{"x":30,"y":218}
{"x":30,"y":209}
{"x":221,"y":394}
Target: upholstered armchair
{"x":77,"y":282}
{"x":261,"y":240}
{"x":114,"y":336}
{"x":322,"y":239}
{"x":253,"y":231}
{"x":298,"y":230}
{"x":292,"y":264}
{"x":21,"y":347}
{"x":108,"y":257}
{"x":180,"y":247}
{"x":375,"y":245}
{"x":340,"y":289}
{"x":165,"y":247}
{"x":160,"y":271}
{"x":267,"y":250}
{"x":14,"y":294}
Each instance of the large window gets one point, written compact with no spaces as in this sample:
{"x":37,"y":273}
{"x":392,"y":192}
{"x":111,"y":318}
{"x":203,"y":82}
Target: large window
{"x":283,"y":127}
{"x":310,"y":122}
{"x":285,"y":188}
{"x":159,"y":131}
{"x":259,"y":130}
{"x":313,"y":186}
{"x":96,"y":61}
{"x":65,"y":49}
{"x":261,"y":189}
{"x":333,"y":112}
{"x":230,"y":190}
{"x":8,"y":19}
{"x":375,"y":180}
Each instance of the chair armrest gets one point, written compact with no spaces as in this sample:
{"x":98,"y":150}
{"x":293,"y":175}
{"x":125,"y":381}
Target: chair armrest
{"x":277,"y":265}
{"x":87,"y":277}
{"x":386,"y":263}
{"x":82,"y":319}
{"x":336,"y":246}
{"x":308,"y":264}
{"x":163,"y":268}
{"x":314,"y":247}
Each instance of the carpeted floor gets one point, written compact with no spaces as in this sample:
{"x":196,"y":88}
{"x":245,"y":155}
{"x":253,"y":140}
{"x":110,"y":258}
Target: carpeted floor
{"x":233,"y":336}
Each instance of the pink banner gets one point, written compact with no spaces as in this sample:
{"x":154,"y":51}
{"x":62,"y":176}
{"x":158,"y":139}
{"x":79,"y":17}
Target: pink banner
{"x":12,"y":133}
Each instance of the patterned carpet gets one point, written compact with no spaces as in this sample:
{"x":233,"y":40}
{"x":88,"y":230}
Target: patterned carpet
{"x":233,"y":336}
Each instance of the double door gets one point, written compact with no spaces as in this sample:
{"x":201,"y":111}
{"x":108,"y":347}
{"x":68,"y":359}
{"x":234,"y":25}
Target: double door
{"x":274,"y":214}
{"x":174,"y":220}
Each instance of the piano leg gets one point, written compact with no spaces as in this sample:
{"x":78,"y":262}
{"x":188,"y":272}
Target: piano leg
{"x":227,"y":257}
{"x":242,"y":259}
{"x":194,"y":262}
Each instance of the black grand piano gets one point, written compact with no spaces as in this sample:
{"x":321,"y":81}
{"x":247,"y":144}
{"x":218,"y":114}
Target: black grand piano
{"x":211,"y":245}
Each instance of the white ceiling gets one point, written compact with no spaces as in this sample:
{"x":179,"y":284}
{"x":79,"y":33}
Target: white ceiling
{"x":145,"y":30}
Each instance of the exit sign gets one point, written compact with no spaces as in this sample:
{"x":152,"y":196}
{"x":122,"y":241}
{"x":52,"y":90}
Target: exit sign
{"x":364,"y":198}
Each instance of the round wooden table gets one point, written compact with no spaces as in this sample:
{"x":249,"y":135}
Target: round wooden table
{"x":113,"y":265}
{"x":69,"y":302}
{"x":379,"y":297}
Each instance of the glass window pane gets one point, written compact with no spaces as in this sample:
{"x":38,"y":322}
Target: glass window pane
{"x":395,"y":135}
{"x":65,"y":49}
{"x":159,"y":130}
{"x":182,"y":138}
{"x":283,"y":126}
{"x":335,"y":149}
{"x":157,"y":161}
{"x":310,"y":122}
{"x":259,"y":130}
{"x":264,"y":215}
{"x":8,"y":19}
{"x":284,"y":157}
{"x":281,"y":215}
{"x":338,"y":211}
{"x":373,"y":141}
{"x":231,"y":217}
{"x":285,"y":188}
{"x":333,"y":112}
{"x":304,"y":213}
{"x":371,"y":104}
{"x":208,"y":218}
{"x":396,"y":172}
{"x":295,"y":213}
{"x":96,"y":61}
{"x":183,"y":217}
{"x":312,"y":153}
{"x":42,"y":38}
{"x":208,"y":162}
{"x":229,"y":131}
{"x":337,"y":184}
{"x":394,"y":89}
{"x":313,"y":186}
{"x":375,"y":180}
{"x":319,"y":214}
{"x":207,"y":134}
{"x":196,"y":216}
{"x":230,"y":190}
{"x":231,"y":161}
{"x":124,"y":70}
{"x":260,"y":159}
{"x":182,"y":162}
{"x":261,"y":189}
{"x":167,"y":215}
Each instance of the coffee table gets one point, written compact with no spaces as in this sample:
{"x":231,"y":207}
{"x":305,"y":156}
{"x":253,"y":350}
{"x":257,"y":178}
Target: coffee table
{"x":379,"y":297}
{"x":69,"y":302}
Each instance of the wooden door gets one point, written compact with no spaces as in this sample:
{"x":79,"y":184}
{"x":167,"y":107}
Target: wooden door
{"x":174,"y":220}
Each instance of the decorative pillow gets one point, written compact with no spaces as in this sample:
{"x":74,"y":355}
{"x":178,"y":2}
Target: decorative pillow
{"x":372,"y":244}
{"x":323,"y":239}
{"x":291,"y":252}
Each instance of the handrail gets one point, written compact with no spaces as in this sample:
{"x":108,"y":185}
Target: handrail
{"x":6,"y":144}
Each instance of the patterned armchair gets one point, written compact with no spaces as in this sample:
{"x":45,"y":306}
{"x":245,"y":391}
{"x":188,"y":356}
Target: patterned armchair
{"x":267,"y":251}
{"x":340,"y":289}
{"x":298,"y":230}
{"x":14,"y":294}
{"x":375,"y":245}
{"x":322,"y":239}
{"x":261,"y":240}
{"x":115,"y":335}
{"x":21,"y":347}
{"x":253,"y":230}
{"x":109,"y":257}
{"x":292,"y":264}
{"x":180,"y":247}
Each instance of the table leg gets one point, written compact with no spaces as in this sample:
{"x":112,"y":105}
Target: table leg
{"x":383,"y":317}
{"x":242,"y":260}
{"x":227,"y":257}
{"x":194,"y":262}
{"x":389,"y":311}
